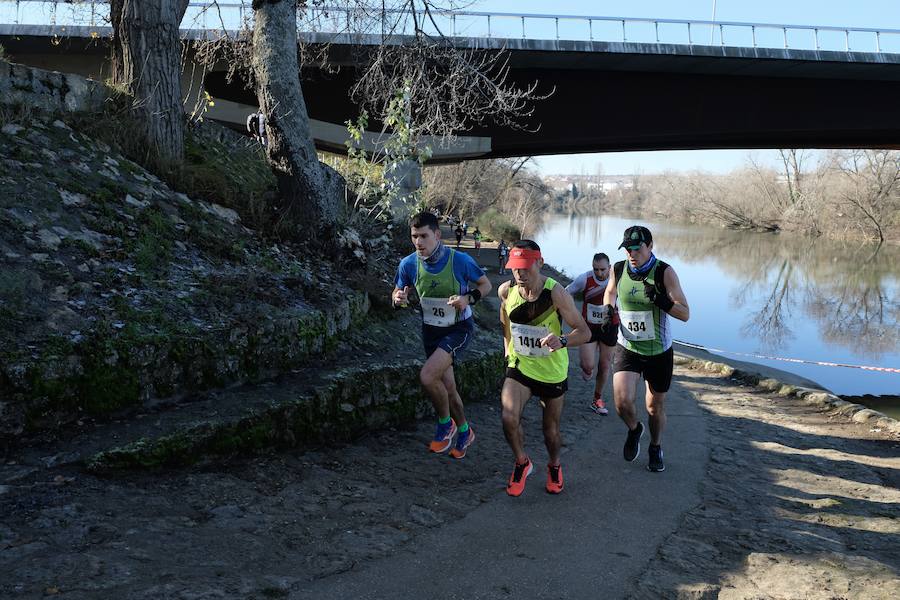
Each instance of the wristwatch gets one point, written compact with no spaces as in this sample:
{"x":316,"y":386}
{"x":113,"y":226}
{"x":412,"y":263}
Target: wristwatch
{"x":564,"y":340}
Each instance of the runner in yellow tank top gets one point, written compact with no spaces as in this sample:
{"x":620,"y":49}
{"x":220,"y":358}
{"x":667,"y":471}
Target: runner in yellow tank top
{"x":532,"y":311}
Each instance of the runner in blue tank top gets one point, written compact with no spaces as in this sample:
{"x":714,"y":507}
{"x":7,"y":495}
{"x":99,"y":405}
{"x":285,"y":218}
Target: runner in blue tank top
{"x":447,"y":283}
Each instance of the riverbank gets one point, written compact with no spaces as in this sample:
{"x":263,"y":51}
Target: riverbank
{"x":768,"y":294}
{"x":887,"y":404}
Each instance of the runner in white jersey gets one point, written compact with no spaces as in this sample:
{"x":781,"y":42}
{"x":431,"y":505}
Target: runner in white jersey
{"x":603,"y":325}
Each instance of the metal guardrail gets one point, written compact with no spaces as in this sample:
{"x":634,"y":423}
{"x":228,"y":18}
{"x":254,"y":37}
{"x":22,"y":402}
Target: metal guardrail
{"x":231,"y":15}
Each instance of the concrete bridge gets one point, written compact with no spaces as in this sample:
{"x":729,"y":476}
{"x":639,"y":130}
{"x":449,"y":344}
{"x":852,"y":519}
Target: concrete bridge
{"x":619,"y":83}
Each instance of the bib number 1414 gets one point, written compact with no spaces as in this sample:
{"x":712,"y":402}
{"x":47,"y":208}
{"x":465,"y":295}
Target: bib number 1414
{"x":527,"y":339}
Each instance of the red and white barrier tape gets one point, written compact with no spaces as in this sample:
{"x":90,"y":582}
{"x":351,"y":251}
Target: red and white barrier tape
{"x":793,"y":360}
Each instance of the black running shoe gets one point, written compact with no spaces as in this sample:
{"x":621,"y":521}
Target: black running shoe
{"x":633,"y":442}
{"x":656,"y":463}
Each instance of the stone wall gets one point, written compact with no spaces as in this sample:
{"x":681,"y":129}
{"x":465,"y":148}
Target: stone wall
{"x":350,"y":402}
{"x":49,"y":91}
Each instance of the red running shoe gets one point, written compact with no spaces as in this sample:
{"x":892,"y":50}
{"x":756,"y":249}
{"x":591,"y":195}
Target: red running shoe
{"x":599,"y":407}
{"x":516,"y":484}
{"x":554,"y":479}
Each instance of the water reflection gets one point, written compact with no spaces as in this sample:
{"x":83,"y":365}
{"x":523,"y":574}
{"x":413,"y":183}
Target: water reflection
{"x":849,"y":290}
{"x":773,"y":294}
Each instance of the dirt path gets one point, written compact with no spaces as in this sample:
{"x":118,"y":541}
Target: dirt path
{"x":763,"y":497}
{"x":795,"y":504}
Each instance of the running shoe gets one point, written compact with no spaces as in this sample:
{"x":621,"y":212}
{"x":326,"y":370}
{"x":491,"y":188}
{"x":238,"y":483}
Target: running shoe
{"x":516,"y":484}
{"x":554,"y":479}
{"x":633,"y":442}
{"x":656,"y":463}
{"x":463,"y":441}
{"x":599,"y":406}
{"x":443,"y":436}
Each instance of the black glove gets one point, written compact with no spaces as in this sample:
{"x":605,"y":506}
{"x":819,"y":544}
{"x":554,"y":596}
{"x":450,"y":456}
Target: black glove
{"x":660,"y":299}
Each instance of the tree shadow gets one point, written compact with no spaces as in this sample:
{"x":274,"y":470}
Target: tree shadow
{"x":781,"y":493}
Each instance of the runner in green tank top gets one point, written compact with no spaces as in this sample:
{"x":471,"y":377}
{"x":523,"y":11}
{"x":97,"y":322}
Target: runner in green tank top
{"x":532,"y":311}
{"x":647,"y":292}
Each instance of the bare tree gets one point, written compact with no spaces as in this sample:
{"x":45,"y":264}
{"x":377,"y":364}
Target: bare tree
{"x":873,"y":185}
{"x":447,"y":89}
{"x":307,"y":190}
{"x":450,"y":88}
{"x":792,"y":164}
{"x":146,"y":60}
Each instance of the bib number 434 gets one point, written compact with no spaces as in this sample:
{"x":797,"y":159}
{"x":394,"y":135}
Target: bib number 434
{"x":637,"y":325}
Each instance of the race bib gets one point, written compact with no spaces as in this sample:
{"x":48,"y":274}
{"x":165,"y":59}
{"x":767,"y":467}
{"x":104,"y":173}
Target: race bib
{"x":527,"y":339}
{"x":597,"y":315}
{"x":637,"y":325}
{"x":436,"y":311}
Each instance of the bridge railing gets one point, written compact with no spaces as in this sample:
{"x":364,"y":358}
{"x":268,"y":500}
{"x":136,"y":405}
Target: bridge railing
{"x":231,"y":15}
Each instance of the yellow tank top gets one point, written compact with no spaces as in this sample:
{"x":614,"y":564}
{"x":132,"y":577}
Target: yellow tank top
{"x":528,"y":323}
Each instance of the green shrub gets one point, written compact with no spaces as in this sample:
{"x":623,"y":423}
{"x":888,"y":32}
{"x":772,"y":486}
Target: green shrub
{"x":497,"y":226}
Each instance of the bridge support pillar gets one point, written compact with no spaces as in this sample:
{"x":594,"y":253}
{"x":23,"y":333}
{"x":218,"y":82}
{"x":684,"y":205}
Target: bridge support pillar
{"x":406,"y":180}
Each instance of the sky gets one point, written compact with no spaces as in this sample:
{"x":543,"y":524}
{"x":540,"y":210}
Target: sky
{"x":882,"y":14}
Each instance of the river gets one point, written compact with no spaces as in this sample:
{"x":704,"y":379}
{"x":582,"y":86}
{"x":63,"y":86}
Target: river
{"x":779,"y":295}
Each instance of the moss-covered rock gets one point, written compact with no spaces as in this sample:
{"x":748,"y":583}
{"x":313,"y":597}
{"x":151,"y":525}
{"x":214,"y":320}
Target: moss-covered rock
{"x":106,"y":373}
{"x":348,"y":403}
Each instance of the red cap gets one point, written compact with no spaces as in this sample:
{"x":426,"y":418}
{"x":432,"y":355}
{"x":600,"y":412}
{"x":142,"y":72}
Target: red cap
{"x":522,"y":258}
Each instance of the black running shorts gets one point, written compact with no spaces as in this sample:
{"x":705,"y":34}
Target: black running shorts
{"x":656,"y":369}
{"x":605,"y":334}
{"x":538,"y":388}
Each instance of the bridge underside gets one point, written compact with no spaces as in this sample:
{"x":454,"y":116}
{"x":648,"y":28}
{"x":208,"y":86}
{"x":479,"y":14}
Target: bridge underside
{"x":598,"y":111}
{"x":620,"y":97}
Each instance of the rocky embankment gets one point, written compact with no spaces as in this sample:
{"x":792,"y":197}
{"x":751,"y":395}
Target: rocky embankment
{"x":117,"y":290}
{"x":121,"y":297}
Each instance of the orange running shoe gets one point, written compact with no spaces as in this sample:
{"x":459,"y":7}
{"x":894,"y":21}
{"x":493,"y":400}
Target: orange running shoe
{"x":463,"y":441}
{"x":554,"y":479}
{"x":443,"y":437}
{"x":516,"y":484}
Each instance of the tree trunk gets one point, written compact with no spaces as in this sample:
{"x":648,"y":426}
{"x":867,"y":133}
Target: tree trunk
{"x":147,"y":61}
{"x":309,"y":190}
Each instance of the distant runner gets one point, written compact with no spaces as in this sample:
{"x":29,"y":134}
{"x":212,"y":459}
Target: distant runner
{"x":476,"y":235}
{"x":647,"y":291}
{"x":532,"y":310}
{"x":459,"y":235}
{"x":442,"y":278}
{"x":602,"y":322}
{"x":502,"y":252}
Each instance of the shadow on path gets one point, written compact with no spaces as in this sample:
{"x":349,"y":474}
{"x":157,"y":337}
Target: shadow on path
{"x":794,"y":505}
